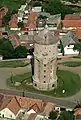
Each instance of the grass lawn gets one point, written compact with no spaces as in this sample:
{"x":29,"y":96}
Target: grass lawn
{"x":68,"y":81}
{"x":71,"y":63}
{"x":23,"y":78}
{"x":13,"y":64}
{"x":78,"y":56}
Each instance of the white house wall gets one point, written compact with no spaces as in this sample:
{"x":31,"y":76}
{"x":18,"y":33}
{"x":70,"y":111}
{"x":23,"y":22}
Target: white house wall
{"x":69,"y":50}
{"x":7,"y":114}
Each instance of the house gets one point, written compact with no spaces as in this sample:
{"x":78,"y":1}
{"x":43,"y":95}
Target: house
{"x":32,"y":116}
{"x":27,"y":40}
{"x":48,"y":108}
{"x":53,"y":21}
{"x":72,"y":21}
{"x":13,"y":23}
{"x":28,"y":103}
{"x":77,"y":114}
{"x":77,"y":32}
{"x":9,"y":107}
{"x":32,"y":18}
{"x":21,"y":12}
{"x":3,"y":12}
{"x":37,"y":9}
{"x":68,"y":42}
{"x":35,"y":116}
{"x":15,"y":39}
{"x":75,"y":16}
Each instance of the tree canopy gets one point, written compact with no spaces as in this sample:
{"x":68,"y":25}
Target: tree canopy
{"x":20,"y":52}
{"x":56,"y":7}
{"x":53,"y":115}
{"x":20,"y":24}
{"x":77,"y":47}
{"x":6,"y":48}
{"x":66,"y":115}
{"x":9,"y":52}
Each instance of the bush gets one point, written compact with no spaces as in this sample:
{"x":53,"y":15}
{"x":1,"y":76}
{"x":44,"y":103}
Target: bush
{"x":71,"y":64}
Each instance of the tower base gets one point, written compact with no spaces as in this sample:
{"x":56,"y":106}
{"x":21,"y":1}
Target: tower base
{"x":45,"y":86}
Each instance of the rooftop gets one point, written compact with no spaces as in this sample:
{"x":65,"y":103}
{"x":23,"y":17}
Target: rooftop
{"x":45,"y":37}
{"x":72,"y":17}
{"x":71,"y":23}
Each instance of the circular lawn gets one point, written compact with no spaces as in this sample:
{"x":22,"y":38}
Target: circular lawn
{"x":69,"y":83}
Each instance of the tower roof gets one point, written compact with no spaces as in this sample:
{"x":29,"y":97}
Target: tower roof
{"x":45,"y":37}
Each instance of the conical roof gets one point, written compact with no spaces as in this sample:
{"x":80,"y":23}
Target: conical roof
{"x":45,"y":37}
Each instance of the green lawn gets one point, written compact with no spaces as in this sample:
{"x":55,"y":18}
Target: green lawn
{"x":13,"y":64}
{"x":68,"y":81}
{"x":71,"y":63}
{"x":23,"y":78}
{"x":79,"y":56}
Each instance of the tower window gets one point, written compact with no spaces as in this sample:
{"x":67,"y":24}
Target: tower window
{"x":35,"y":84}
{"x":53,"y":85}
{"x":44,"y":81}
{"x":44,"y":70}
{"x":44,"y":65}
{"x":44,"y":76}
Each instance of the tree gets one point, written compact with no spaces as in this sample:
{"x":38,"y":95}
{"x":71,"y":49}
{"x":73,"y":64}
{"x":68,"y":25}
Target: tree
{"x":61,"y":47}
{"x":20,"y":52}
{"x":20,"y":24}
{"x":6,"y":19}
{"x":6,"y":48}
{"x":56,"y":7}
{"x":77,"y":47}
{"x":66,"y":115}
{"x":53,"y":115}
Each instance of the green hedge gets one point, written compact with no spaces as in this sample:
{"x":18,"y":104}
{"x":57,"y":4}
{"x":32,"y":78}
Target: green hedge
{"x":71,"y":64}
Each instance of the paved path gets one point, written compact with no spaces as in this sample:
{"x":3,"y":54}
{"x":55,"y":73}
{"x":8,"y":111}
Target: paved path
{"x":65,"y":103}
{"x":6,"y":73}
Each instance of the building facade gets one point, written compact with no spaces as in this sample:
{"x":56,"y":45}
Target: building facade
{"x":45,"y":60}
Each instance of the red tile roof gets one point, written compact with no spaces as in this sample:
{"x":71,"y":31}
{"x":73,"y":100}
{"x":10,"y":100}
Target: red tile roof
{"x":14,"y":21}
{"x":72,"y":17}
{"x":32,"y":20}
{"x":71,"y":23}
{"x":32,"y":116}
{"x":3,"y":12}
{"x":29,"y":103}
{"x":77,"y":111}
{"x":10,"y":103}
{"x":14,"y":106}
{"x":32,"y":17}
{"x":78,"y":33}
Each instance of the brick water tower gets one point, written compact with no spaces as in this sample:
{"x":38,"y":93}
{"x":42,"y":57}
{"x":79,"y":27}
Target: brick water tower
{"x":45,"y":60}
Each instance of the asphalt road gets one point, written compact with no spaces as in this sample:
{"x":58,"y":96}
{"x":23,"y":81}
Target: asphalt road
{"x":65,"y":103}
